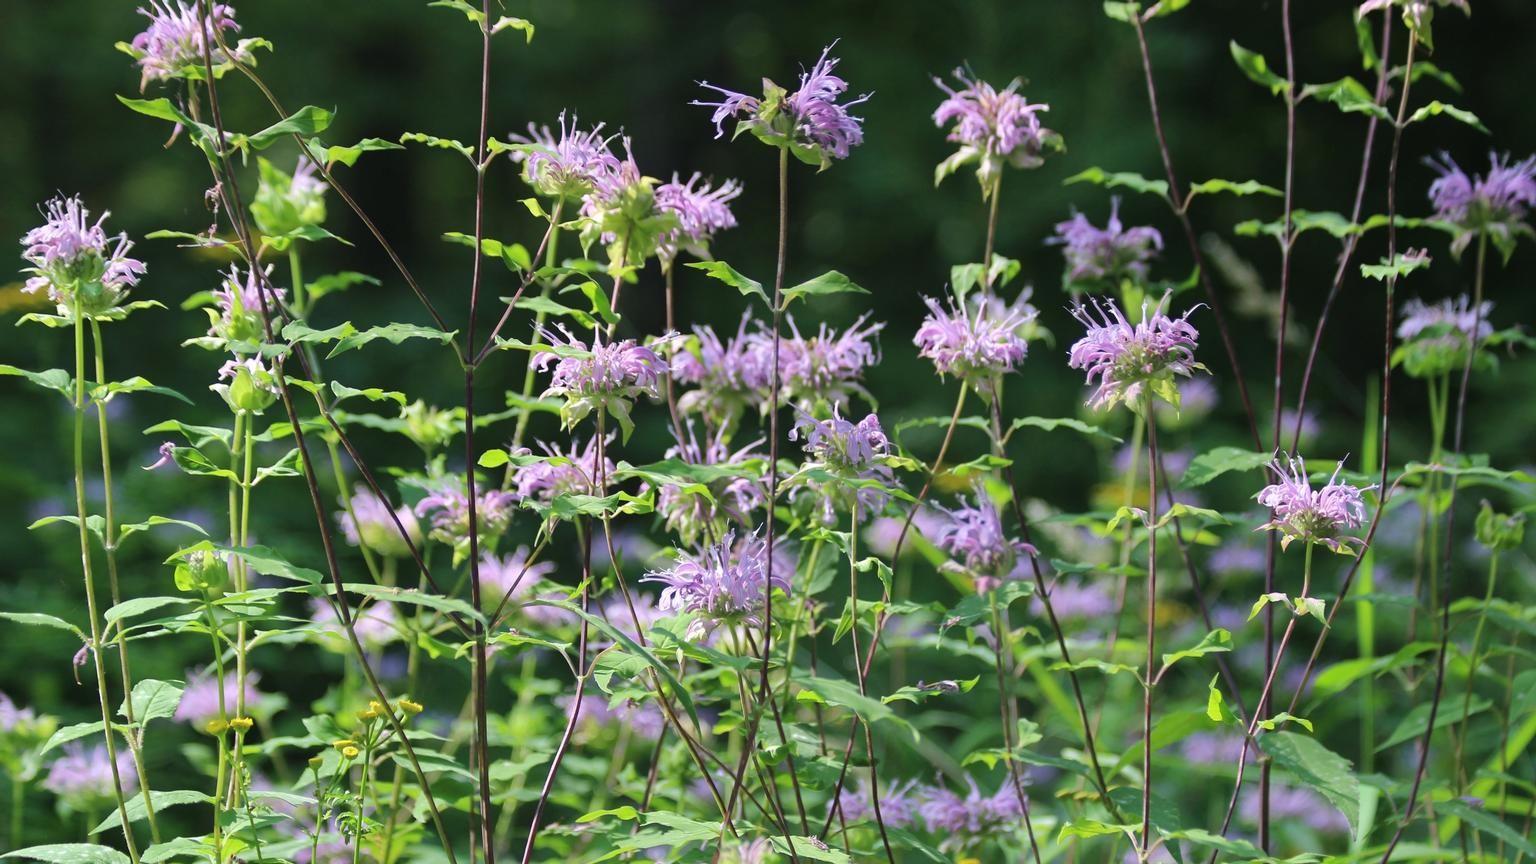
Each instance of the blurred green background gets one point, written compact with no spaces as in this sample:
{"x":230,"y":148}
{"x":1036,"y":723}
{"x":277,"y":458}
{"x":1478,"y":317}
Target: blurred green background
{"x":392,"y":66}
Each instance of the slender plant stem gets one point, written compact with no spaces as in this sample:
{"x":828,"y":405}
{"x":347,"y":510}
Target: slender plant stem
{"x":1002,"y":659}
{"x":1151,"y":683}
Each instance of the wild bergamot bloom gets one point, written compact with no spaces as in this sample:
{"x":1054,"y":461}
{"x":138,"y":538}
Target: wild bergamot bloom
{"x":728,"y":375}
{"x":701,"y":210}
{"x":827,"y":366}
{"x":1437,"y":336}
{"x":1107,"y":254}
{"x":572,"y":472}
{"x":725,"y":583}
{"x":1495,"y":203}
{"x":853,"y":454}
{"x":287,"y":204}
{"x":607,"y":377}
{"x":810,"y":121}
{"x":623,"y":213}
{"x":975,"y":343}
{"x":1133,"y":362}
{"x":993,"y":127}
{"x":252,"y":387}
{"x":237,"y":314}
{"x":974,"y":535}
{"x":368,"y":520}
{"x":565,"y":165}
{"x":82,"y":777}
{"x":733,"y":497}
{"x":74,"y":258}
{"x":1313,"y":515}
{"x":172,"y":45}
{"x":447,"y":507}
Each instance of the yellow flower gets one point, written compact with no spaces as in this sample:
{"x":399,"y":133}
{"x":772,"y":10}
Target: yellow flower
{"x":242,"y":724}
{"x":350,"y":752}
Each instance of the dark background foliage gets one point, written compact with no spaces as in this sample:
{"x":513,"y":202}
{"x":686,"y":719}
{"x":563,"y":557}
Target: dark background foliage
{"x":394,"y":65}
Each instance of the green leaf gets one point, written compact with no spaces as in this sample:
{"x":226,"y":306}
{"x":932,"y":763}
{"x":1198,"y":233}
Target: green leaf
{"x":395,"y":333}
{"x":1404,"y":264}
{"x":1414,"y":723}
{"x":71,"y":733}
{"x":1318,"y":768}
{"x":137,"y":811}
{"x":830,"y":282}
{"x":1124,"y":11}
{"x":843,"y":694}
{"x":140,"y":605}
{"x":441,"y":143}
{"x":494,"y":458}
{"x":978,"y":607}
{"x":305,"y":122}
{"x":1487,"y":823}
{"x":375,"y":394}
{"x":1115,"y":179}
{"x":1245,"y":187}
{"x":1257,"y":69}
{"x":266,"y":562}
{"x":408,"y":597}
{"x":1218,"y":461}
{"x":153,"y":700}
{"x":349,"y":154}
{"x":38,"y":619}
{"x":56,"y":380}
{"x":1349,"y":95}
{"x":1436,"y":108}
{"x":1051,"y":424}
{"x":70,"y":853}
{"x":1215,"y":642}
{"x":727,"y":274}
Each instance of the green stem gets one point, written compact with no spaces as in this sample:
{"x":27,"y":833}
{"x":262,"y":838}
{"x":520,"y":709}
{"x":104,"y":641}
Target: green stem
{"x":521,"y":429}
{"x":18,"y":806}
{"x":298,"y":280}
{"x":96,"y":646}
{"x":1146,"y":746}
{"x":223,"y":724}
{"x":1474,"y":660}
{"x":109,"y":543}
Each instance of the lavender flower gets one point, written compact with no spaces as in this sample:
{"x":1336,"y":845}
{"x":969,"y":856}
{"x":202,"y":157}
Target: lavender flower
{"x":1436,"y":338}
{"x":511,"y":576}
{"x":1212,"y":748}
{"x":826,"y":366}
{"x":76,"y":261}
{"x":700,"y":211}
{"x":371,"y":523}
{"x":172,"y":45}
{"x":975,"y":346}
{"x":993,"y":128}
{"x":252,"y":387}
{"x":759,"y":851}
{"x":608,"y":377}
{"x":1296,"y":804}
{"x":236,"y":316}
{"x":567,"y":165}
{"x":448,"y":509}
{"x":570,"y":473}
{"x":809,"y":121}
{"x":851,"y":452}
{"x":975,"y":535}
{"x":1074,"y":600}
{"x":1106,"y":254}
{"x":644,"y":719}
{"x":1133,"y":362}
{"x":287,"y":203}
{"x":724,"y":583}
{"x":729,"y":375}
{"x":12,"y":717}
{"x":375,"y":624}
{"x":201,"y":700}
{"x":82,"y":778}
{"x":1313,"y":515}
{"x":623,"y":213}
{"x":898,"y":803}
{"x":736,"y":497}
{"x":962,"y":821}
{"x":1496,"y":202}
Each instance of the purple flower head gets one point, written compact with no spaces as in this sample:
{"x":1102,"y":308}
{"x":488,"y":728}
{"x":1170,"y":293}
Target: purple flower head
{"x":12,"y":717}
{"x":758,"y":851}
{"x":172,"y":45}
{"x":511,"y":576}
{"x":287,"y":203}
{"x":252,"y":386}
{"x":447,"y":507}
{"x":1074,"y":600}
{"x":239,"y":306}
{"x":574,"y":472}
{"x":76,"y":261}
{"x":598,"y":711}
{"x":1106,"y":254}
{"x":1212,"y":748}
{"x":964,"y":820}
{"x":993,"y":128}
{"x":374,"y":624}
{"x":374,"y":524}
{"x":206,"y":699}
{"x":701,"y":212}
{"x":623,"y":213}
{"x":1313,"y":515}
{"x":1296,"y":804}
{"x":810,"y":121}
{"x":728,"y":375}
{"x":1233,"y":559}
{"x":568,"y":165}
{"x":724,"y":583}
{"x":1437,"y":337}
{"x":898,"y":803}
{"x":1496,"y":202}
{"x":976,"y":344}
{"x":826,"y":366}
{"x":616,"y":611}
{"x":736,"y":497}
{"x":974,"y":535}
{"x":606,"y":377}
{"x":82,"y":777}
{"x":1129,"y":361}
{"x":852,"y":452}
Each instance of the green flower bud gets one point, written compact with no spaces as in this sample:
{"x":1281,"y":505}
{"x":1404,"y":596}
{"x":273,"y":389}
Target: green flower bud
{"x":1499,"y":532}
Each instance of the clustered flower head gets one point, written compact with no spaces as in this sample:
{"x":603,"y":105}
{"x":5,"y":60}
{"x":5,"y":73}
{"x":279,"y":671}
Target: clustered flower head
{"x":701,"y":211}
{"x":1436,"y":337}
{"x":82,"y":777}
{"x":1495,"y":203}
{"x":1128,"y":362}
{"x":374,"y":624}
{"x":447,"y":507}
{"x":1416,"y":13}
{"x":573,"y":472}
{"x":511,"y":576}
{"x":368,"y":520}
{"x":976,"y":343}
{"x":206,"y":698}
{"x":727,"y":375}
{"x":567,"y":165}
{"x":1106,"y":254}
{"x":853,"y":453}
{"x":622,"y":212}
{"x":607,"y":377}
{"x":898,"y":803}
{"x":736,"y":498}
{"x":286,"y":203}
{"x":726,"y":582}
{"x":810,"y":121}
{"x":172,"y":46}
{"x":643,"y":719}
{"x":1313,"y":515}
{"x":826,"y":366}
{"x":974,"y":535}
{"x":252,"y":387}
{"x":237,"y":313}
{"x":74,"y":258}
{"x":963,"y":820}
{"x":993,"y":127}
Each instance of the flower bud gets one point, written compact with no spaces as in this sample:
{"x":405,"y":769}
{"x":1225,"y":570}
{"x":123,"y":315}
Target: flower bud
{"x":241,"y":724}
{"x":1499,"y":532}
{"x":203,"y":571}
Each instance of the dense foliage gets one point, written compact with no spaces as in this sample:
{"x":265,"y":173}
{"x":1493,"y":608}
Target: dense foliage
{"x":813,"y":625}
